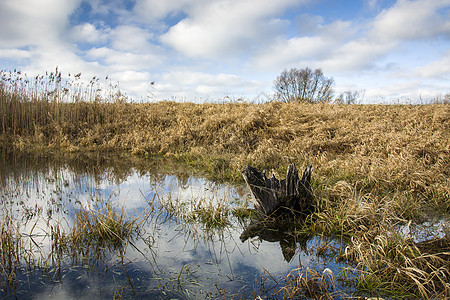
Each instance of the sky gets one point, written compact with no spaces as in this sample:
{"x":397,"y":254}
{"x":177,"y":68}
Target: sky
{"x":206,"y":50}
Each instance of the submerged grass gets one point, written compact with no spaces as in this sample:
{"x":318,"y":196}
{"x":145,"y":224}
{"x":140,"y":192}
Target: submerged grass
{"x":310,"y":284}
{"x":377,"y":167}
{"x":95,"y":237}
{"x":100,"y":228}
{"x":11,"y":252}
{"x":211,"y":213}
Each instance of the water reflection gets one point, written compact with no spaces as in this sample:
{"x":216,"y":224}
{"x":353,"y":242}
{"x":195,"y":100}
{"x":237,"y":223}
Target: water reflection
{"x":171,"y":255}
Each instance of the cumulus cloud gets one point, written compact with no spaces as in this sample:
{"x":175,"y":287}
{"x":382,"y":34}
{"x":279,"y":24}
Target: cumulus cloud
{"x":191,"y":84}
{"x":129,"y":48}
{"x":15,"y":54}
{"x":218,"y":28}
{"x":405,"y":21}
{"x":30,"y":22}
{"x":131,"y":38}
{"x":119,"y":60}
{"x":356,"y":55}
{"x":294,"y":51}
{"x":87,"y":33}
{"x":362,"y":48}
{"x":409,"y":20}
{"x":439,"y":68}
{"x":46,"y":58}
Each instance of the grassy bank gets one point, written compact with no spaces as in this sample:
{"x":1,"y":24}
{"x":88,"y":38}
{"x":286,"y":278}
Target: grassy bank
{"x":377,"y":167}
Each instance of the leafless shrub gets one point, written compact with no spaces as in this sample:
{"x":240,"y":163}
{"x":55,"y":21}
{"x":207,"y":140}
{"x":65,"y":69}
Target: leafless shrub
{"x":304,"y":85}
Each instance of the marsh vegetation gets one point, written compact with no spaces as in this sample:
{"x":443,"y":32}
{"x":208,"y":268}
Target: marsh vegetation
{"x":381,"y":185}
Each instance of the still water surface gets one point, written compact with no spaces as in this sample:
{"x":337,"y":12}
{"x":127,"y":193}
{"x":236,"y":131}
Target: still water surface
{"x":171,"y":258}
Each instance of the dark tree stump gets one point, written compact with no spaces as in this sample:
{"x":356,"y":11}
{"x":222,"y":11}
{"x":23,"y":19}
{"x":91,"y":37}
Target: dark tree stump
{"x":271,"y":194}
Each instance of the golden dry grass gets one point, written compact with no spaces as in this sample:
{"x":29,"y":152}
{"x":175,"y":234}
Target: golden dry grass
{"x":397,"y":148}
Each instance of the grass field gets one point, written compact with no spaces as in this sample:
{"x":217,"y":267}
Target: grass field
{"x":376,"y":167}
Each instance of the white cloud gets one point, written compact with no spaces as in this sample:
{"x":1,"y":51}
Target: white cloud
{"x":131,"y":38}
{"x":402,"y":90}
{"x":356,"y":55}
{"x":350,"y":47}
{"x":15,"y":53}
{"x":408,"y":20}
{"x":405,"y":21}
{"x":193,"y":78}
{"x":226,"y":28}
{"x":120,"y":60}
{"x":292,"y":52}
{"x":46,"y":58}
{"x":30,"y":22}
{"x":439,"y":68}
{"x":87,"y":33}
{"x":299,"y":50}
{"x":136,"y":82}
{"x":188,"y":84}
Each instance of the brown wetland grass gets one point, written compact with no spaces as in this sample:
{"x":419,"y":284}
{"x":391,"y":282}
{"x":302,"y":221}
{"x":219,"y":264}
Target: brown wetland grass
{"x":377,"y":168}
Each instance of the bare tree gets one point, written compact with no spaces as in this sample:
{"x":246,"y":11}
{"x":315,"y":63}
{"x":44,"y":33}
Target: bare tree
{"x":304,"y":85}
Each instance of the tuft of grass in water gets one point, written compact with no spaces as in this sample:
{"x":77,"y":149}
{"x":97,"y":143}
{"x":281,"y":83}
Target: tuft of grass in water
{"x":199,"y":210}
{"x":99,"y":229}
{"x":10,"y":252}
{"x":310,"y":284}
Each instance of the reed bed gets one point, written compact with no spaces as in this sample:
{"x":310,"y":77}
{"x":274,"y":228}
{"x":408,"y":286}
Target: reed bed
{"x":376,"y":167}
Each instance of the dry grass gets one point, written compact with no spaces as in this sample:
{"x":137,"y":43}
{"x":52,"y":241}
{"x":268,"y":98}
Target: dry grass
{"x":392,"y":264}
{"x":376,"y":166}
{"x":310,"y":284}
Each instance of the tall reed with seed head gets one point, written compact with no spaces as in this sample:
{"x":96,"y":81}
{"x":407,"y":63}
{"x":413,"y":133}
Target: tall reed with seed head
{"x":51,"y":110}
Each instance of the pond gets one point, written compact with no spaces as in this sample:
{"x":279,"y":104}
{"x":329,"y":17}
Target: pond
{"x":186,"y":241}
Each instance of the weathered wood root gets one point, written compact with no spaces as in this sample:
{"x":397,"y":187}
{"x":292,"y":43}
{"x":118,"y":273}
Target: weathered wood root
{"x":271,"y":194}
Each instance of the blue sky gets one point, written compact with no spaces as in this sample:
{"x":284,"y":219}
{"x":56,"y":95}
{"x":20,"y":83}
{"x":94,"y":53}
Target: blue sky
{"x":197,"y":50}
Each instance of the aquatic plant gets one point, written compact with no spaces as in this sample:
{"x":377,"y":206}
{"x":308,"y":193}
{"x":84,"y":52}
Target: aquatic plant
{"x":97,"y":229}
{"x":310,"y":284}
{"x":11,"y":252}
